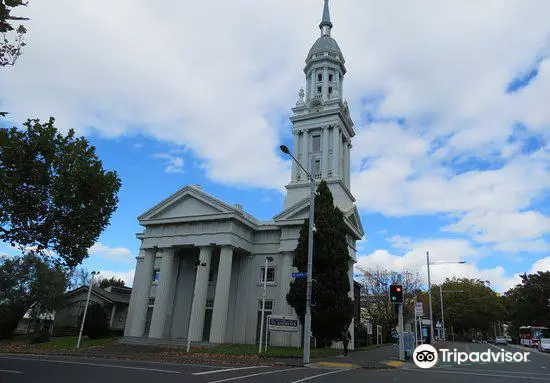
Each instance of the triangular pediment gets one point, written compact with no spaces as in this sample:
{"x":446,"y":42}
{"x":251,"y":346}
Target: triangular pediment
{"x":185,"y":203}
{"x":299,"y":210}
{"x":354,"y":220}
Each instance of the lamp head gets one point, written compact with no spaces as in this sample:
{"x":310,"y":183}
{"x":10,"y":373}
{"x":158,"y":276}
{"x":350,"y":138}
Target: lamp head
{"x":269,"y":259}
{"x":284,"y":149}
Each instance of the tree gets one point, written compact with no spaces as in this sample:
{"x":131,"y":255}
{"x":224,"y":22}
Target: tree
{"x":475,"y":309}
{"x":25,"y":282}
{"x":375,"y":304}
{"x":332,"y":311}
{"x":54,"y":193}
{"x":78,"y":276}
{"x":11,"y":50}
{"x":528,"y":302}
{"x":106,"y":282}
{"x":96,"y":325}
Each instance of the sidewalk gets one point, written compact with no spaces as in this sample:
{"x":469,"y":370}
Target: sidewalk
{"x":382,"y":357}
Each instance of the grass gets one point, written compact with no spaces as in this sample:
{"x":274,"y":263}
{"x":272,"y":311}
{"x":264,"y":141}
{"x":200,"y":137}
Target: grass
{"x":272,"y":352}
{"x":70,"y":343}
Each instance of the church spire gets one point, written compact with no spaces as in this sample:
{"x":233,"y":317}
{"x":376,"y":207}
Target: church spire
{"x":325,"y":25}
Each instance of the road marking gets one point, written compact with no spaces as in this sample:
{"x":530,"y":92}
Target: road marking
{"x":333,"y":364}
{"x":395,"y":363}
{"x":509,"y":373}
{"x":12,"y":371}
{"x":251,"y":375}
{"x":318,"y":375}
{"x":98,"y":365}
{"x":227,"y":369}
{"x":505,"y":371}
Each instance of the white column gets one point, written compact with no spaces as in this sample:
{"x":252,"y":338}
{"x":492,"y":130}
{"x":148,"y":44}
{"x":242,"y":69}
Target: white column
{"x":162,"y":299}
{"x":305,"y":153}
{"x":312,"y":90}
{"x":324,"y":162}
{"x":196,"y":322}
{"x":336,"y":145}
{"x":343,"y":158}
{"x":112,"y":316}
{"x":296,"y":150}
{"x":348,"y":164}
{"x":221,"y":298}
{"x":142,"y":289}
{"x":351,"y":295}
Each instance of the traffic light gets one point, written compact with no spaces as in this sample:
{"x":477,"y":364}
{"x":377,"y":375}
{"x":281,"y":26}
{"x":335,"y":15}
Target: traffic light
{"x":396,"y":293}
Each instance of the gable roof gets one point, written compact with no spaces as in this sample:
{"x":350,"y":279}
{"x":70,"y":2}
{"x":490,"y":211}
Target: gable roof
{"x":99,"y":292}
{"x":192,"y":201}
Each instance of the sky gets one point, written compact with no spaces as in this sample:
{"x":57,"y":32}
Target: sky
{"x":449,"y":99}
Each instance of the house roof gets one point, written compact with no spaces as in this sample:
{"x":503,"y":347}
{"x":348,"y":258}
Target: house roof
{"x":105,"y":295}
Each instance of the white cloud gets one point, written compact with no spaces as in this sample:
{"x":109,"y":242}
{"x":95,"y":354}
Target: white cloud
{"x":446,"y":250}
{"x":126,"y":276}
{"x":117,"y":254}
{"x":174,"y":164}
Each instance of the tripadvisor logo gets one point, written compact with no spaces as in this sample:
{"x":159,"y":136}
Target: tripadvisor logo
{"x":426,"y":356}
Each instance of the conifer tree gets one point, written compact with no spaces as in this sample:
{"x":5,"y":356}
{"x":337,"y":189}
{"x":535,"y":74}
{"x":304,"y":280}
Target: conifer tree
{"x":332,"y":308}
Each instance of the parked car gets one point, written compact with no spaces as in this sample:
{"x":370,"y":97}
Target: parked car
{"x":508,"y":339}
{"x":501,"y":340}
{"x":544,"y":344}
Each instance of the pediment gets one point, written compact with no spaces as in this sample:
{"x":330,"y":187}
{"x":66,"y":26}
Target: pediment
{"x":298,"y":211}
{"x":187,"y":202}
{"x":354,"y":220}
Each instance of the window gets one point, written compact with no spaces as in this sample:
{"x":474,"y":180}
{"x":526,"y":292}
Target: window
{"x":268,"y":305}
{"x":317,"y":168}
{"x":319,"y":77}
{"x":329,"y":90}
{"x":316,"y":144}
{"x":270,"y":274}
{"x":319,"y":90}
{"x":330,"y":77}
{"x":156,"y":274}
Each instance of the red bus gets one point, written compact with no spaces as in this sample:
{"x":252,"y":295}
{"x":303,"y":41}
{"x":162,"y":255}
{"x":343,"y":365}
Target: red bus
{"x":529,"y":335}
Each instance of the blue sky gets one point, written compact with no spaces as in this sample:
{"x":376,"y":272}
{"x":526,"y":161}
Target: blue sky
{"x":450,"y":107}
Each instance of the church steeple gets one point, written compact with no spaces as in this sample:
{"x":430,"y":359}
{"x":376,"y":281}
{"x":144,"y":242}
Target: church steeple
{"x":322,"y":125}
{"x":325,"y":25}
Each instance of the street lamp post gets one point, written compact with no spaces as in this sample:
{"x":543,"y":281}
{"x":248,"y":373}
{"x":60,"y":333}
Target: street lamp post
{"x":428,"y":263}
{"x":307,"y":318}
{"x":86,"y":307}
{"x":267,"y":260}
{"x":430,"y":298}
{"x":442,"y":316}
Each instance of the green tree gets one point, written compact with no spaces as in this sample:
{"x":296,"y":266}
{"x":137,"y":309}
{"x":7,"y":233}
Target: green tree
{"x":106,"y":282}
{"x":10,"y":49}
{"x":28,"y":282}
{"x":333,"y":308}
{"x":528,"y":302}
{"x":475,"y":309}
{"x":54,"y":193}
{"x":96,"y":325}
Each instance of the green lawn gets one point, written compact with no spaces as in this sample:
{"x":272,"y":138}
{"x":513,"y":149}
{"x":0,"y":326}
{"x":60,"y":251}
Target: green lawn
{"x":273,"y":352}
{"x":70,"y":342}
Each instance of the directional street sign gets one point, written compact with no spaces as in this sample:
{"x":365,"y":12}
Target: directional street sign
{"x":299,"y":275}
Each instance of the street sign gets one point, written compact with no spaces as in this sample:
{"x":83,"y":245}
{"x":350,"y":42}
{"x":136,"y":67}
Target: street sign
{"x":299,"y":275}
{"x":419,"y":309}
{"x":283,"y":323}
{"x":426,"y":321}
{"x":369,"y":328}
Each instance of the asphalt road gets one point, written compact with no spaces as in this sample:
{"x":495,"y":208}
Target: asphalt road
{"x":44,"y":369}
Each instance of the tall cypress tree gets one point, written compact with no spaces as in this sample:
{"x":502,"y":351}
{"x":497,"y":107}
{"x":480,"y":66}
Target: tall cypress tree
{"x":332,"y":308}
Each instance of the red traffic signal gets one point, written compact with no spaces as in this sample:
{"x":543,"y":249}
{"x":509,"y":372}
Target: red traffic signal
{"x":396,"y":293}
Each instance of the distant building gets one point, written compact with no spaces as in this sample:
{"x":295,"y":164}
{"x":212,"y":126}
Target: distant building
{"x":114,"y":299}
{"x":200,"y":269}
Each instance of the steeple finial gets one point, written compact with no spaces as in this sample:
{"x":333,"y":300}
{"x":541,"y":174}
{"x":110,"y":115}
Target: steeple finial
{"x":325,"y":25}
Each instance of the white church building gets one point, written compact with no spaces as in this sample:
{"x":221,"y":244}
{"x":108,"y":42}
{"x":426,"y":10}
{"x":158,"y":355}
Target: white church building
{"x":199,"y":273}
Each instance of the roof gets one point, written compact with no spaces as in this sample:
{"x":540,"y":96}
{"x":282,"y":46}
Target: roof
{"x":325,"y":43}
{"x":107,"y":296}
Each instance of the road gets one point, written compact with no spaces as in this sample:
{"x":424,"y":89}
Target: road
{"x":44,"y":369}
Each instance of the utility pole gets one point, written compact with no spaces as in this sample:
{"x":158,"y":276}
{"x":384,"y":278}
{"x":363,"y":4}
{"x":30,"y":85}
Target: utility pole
{"x":430,"y":298}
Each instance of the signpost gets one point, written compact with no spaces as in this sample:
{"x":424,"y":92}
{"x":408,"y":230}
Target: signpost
{"x":369,"y":328}
{"x":283,"y":323}
{"x":418,"y":313}
{"x":299,"y":275}
{"x":419,"y":309}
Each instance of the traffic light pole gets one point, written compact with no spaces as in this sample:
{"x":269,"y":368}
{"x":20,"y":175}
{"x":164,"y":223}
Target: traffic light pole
{"x":401,"y":334}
